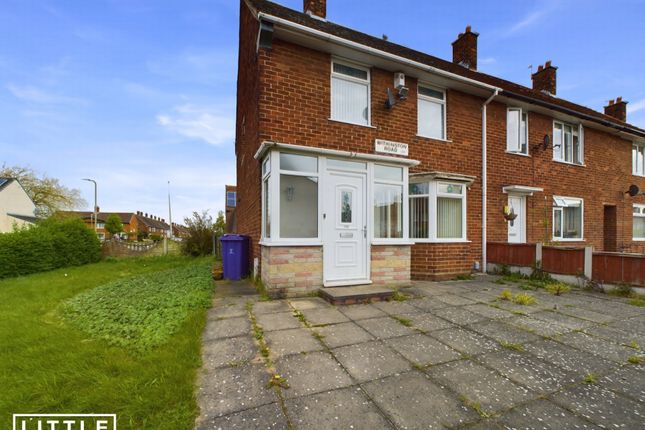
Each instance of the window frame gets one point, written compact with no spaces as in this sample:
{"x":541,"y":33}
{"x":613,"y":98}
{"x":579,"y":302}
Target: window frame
{"x":640,"y":149}
{"x":560,"y":208}
{"x":234,"y":199}
{"x":444,"y":106}
{"x":574,"y":128}
{"x":523,"y":113}
{"x":389,"y":182}
{"x":433,"y":195}
{"x":367,"y":83}
{"x":641,"y":214}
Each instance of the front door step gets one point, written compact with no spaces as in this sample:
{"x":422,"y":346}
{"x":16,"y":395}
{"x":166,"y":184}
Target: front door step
{"x":356,"y":294}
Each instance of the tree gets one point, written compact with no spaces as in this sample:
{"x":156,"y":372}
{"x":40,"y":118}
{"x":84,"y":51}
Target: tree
{"x":48,"y":194}
{"x":113,"y":224}
{"x":219,"y":228}
{"x":199,"y":240}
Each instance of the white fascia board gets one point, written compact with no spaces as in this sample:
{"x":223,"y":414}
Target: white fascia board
{"x":521,"y":189}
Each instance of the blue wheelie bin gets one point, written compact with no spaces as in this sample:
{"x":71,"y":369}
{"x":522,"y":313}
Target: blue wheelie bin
{"x":235,"y":256}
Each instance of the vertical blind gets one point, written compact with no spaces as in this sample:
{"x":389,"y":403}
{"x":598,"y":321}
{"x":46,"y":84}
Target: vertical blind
{"x":388,"y":211}
{"x":419,"y":217}
{"x":430,"y":119}
{"x":349,"y":101}
{"x":449,"y":218}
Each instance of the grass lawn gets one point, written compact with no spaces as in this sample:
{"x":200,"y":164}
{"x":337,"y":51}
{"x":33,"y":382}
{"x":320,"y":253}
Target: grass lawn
{"x":130,"y":346}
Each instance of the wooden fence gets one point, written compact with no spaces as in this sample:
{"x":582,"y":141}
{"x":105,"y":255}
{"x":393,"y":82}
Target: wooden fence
{"x":563,"y":261}
{"x":614,"y":268}
{"x":513,"y":254}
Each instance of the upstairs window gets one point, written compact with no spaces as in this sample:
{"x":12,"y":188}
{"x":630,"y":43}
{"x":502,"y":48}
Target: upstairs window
{"x":638,"y":160}
{"x":231,"y":199}
{"x":350,"y":93}
{"x":517,"y":131}
{"x":431,"y":112}
{"x":639,"y":222}
{"x":567,"y":142}
{"x":567,"y":218}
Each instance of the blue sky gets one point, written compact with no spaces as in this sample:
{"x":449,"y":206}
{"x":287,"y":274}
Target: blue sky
{"x":135,"y":93}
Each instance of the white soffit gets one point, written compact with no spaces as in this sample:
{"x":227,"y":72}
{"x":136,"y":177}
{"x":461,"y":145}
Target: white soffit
{"x":521,"y":189}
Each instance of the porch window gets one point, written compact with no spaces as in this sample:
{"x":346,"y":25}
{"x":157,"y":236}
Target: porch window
{"x":431,"y":112}
{"x":350,"y":93}
{"x":298,"y":196}
{"x":438,"y":211}
{"x":266,"y":208}
{"x":567,"y":142}
{"x":388,"y":202}
{"x":639,"y":222}
{"x":638,"y":160}
{"x":567,"y":218}
{"x":517,"y":131}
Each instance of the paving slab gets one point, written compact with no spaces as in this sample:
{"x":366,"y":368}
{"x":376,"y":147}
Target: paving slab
{"x":454,"y":300}
{"x":309,"y":303}
{"x":361,"y":312}
{"x":291,"y":341}
{"x":459,"y":315}
{"x":422,"y":350}
{"x":528,"y":370}
{"x":617,"y":336}
{"x":311,"y":373}
{"x":586,"y":314}
{"x":597,"y":346}
{"x":502,"y":332}
{"x":264,"y":417}
{"x":427,"y":322}
{"x":278,"y":321}
{"x":481,"y":295}
{"x":426,"y":303}
{"x":343,"y":334}
{"x":233,"y":351}
{"x":232,"y":389}
{"x":539,"y":327}
{"x":489,"y":311}
{"x":370,"y":360}
{"x":476,"y":383}
{"x":543,"y":415}
{"x":397,"y":308}
{"x":629,"y":325}
{"x":572,"y":323}
{"x":514,"y":307}
{"x":347,"y":408}
{"x":413,"y":401}
{"x":270,"y":307}
{"x":602,"y":406}
{"x":225,"y":328}
{"x":231,"y":310}
{"x":322,"y":316}
{"x":465,"y":341}
{"x":569,"y":358}
{"x":628,"y":380}
{"x":384,"y":328}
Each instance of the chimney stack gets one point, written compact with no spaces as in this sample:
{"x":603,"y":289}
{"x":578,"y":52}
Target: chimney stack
{"x":544,"y":79}
{"x":464,"y":49}
{"x":315,"y":8}
{"x":617,"y":109}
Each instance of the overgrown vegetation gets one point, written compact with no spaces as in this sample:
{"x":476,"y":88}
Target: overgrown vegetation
{"x":636,"y":359}
{"x":558,"y":288}
{"x":476,"y":406}
{"x":199,"y":241}
{"x":590,"y":378}
{"x":519,"y":299}
{"x":50,"y":244}
{"x":512,"y":346}
{"x":403,"y":321}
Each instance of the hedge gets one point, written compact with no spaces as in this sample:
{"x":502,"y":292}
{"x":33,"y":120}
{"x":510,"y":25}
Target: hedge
{"x":50,"y":244}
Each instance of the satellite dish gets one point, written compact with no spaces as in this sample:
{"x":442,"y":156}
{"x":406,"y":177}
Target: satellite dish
{"x":547,"y":140}
{"x":633,"y":190}
{"x":391,"y":100}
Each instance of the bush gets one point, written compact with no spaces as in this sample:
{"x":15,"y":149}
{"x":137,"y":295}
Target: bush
{"x":50,"y":244}
{"x":155,"y":237}
{"x":199,"y":241}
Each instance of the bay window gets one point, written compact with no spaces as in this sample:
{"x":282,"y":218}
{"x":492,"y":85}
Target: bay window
{"x":388,"y":202}
{"x":517,"y":131}
{"x":638,"y":159}
{"x":431,"y":112}
{"x":298,"y":196}
{"x":350,"y":93}
{"x":266,"y":208}
{"x":438,"y":211}
{"x":639,"y":222}
{"x":568,"y":214}
{"x":567,"y":143}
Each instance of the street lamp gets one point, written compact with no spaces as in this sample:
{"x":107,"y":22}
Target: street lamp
{"x":96,"y":208}
{"x":169,"y":211}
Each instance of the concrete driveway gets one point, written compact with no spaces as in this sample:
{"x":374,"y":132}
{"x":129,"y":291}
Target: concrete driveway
{"x":451,"y":356}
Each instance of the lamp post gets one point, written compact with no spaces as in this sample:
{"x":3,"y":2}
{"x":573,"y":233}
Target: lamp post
{"x":169,"y":211}
{"x":96,"y":215}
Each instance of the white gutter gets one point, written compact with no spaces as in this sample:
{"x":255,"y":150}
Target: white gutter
{"x":368,"y":49}
{"x":485,"y":178}
{"x":266,"y":145}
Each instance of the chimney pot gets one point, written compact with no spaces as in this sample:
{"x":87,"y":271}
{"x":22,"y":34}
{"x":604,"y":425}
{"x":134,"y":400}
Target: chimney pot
{"x":315,"y":8}
{"x":619,"y":99}
{"x":545,"y":78}
{"x":464,"y":49}
{"x":540,"y":68}
{"x":547,"y":64}
{"x":617,"y":109}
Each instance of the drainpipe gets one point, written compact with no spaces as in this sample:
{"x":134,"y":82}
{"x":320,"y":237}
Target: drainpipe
{"x":485,"y":177}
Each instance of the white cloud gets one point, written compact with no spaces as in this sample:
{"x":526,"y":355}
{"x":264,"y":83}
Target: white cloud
{"x":487,"y":61}
{"x":532,"y":17}
{"x":215,"y":125}
{"x":636,"y":106}
{"x":33,"y":94}
{"x":206,"y":67}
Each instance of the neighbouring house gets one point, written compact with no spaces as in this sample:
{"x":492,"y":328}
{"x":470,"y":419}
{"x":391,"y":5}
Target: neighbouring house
{"x":135,"y":224}
{"x":150,"y":225}
{"x":231,"y":207}
{"x":179,"y":231}
{"x":16,"y":207}
{"x":361,"y":161}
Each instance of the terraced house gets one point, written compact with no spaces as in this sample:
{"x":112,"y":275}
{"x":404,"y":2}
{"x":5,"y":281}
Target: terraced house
{"x":361,"y":161}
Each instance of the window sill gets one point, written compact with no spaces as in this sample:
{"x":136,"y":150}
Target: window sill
{"x":638,"y":239}
{"x":638,"y":175}
{"x":569,"y":163}
{"x":294,"y":242}
{"x":442,"y":241}
{"x":434,"y":138}
{"x":350,"y":123}
{"x":518,"y":153}
{"x":569,"y":240}
{"x":385,"y":242}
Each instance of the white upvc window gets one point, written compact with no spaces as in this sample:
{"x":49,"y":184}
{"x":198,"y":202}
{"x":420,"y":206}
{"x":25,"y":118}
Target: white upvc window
{"x":388,"y":202}
{"x":350,"y":93}
{"x":517,"y":131}
{"x":266,"y":194}
{"x":638,"y":159}
{"x":231,"y":198}
{"x":568,"y":218}
{"x":431,"y":112}
{"x":438,"y":211}
{"x":568,"y":142}
{"x":639,"y":222}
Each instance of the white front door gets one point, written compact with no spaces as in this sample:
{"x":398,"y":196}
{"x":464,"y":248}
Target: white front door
{"x":345,"y":250}
{"x":517,"y":227}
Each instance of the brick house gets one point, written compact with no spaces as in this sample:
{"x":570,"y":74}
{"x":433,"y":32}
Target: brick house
{"x":133,"y":223}
{"x":360,"y":161}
